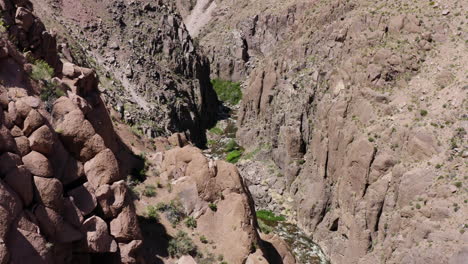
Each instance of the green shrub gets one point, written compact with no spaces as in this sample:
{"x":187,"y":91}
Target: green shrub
{"x":269,"y":216}
{"x":181,"y":245}
{"x":191,"y":222}
{"x":213,"y":207}
{"x":174,"y":212}
{"x":423,"y":112}
{"x":149,"y":191}
{"x":227,"y":91}
{"x":216,"y":131}
{"x":152,"y":213}
{"x":203,"y":240}
{"x":234,"y":156}
{"x":41,"y":71}
{"x":458,"y":184}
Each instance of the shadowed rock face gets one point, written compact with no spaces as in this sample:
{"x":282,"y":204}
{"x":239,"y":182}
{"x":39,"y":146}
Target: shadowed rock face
{"x":145,"y":48}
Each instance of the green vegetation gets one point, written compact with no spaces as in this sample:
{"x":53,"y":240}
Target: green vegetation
{"x":216,"y":131}
{"x":173,"y":211}
{"x":203,"y":240}
{"x":152,"y":213}
{"x":3,"y":28}
{"x":191,"y":222}
{"x":213,"y":207}
{"x":269,"y":216}
{"x":181,"y":245}
{"x":234,"y":156}
{"x":458,"y":184}
{"x":227,"y":91}
{"x":264,"y":228}
{"x":423,"y":112}
{"x":41,"y":71}
{"x":149,"y":191}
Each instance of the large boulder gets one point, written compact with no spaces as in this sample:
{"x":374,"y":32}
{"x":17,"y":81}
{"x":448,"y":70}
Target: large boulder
{"x":230,"y":227}
{"x":112,"y":198}
{"x":84,"y":199}
{"x":7,"y":142}
{"x":98,"y":239}
{"x":22,"y":144}
{"x":42,"y":140}
{"x":20,"y":180}
{"x":129,"y":251}
{"x":54,"y":226}
{"x":32,"y":122}
{"x":8,"y":162}
{"x":50,"y":192}
{"x":125,"y":226}
{"x":27,"y":245}
{"x":38,"y":164}
{"x":102,"y":169}
{"x":10,"y":207}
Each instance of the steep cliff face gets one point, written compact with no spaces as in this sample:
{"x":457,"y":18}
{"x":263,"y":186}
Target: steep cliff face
{"x":157,"y":79}
{"x":357,"y":112}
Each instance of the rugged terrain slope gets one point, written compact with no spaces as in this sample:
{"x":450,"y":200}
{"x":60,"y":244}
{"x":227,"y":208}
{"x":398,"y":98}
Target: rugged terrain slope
{"x":357,"y":113}
{"x":353,"y":125}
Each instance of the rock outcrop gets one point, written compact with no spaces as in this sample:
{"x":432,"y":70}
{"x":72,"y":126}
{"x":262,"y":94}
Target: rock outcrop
{"x":53,"y":160}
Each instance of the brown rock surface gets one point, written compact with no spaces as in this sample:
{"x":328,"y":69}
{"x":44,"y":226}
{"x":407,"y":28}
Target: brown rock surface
{"x":102,"y":169}
{"x":42,"y":140}
{"x":21,"y":181}
{"x":38,"y":164}
{"x":83,"y":198}
{"x":125,"y":226}
{"x":50,"y":192}
{"x":97,"y":236}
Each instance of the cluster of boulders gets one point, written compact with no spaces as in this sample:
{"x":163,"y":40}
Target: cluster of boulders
{"x":63,"y":199}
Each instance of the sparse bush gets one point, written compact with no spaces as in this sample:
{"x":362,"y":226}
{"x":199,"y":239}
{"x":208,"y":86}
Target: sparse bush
{"x":152,"y":213}
{"x":174,"y":212}
{"x":203,"y":240}
{"x":264,"y":228}
{"x":231,"y":145}
{"x":149,"y":191}
{"x":227,"y":91}
{"x":213,"y":207}
{"x":41,"y":71}
{"x":181,"y":245}
{"x":191,"y":222}
{"x":234,"y":156}
{"x":458,"y":184}
{"x":423,"y":112}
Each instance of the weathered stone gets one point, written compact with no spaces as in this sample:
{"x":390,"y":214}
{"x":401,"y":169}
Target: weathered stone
{"x":32,"y":122}
{"x":54,"y":226}
{"x":37,"y":164}
{"x":102,"y":169}
{"x":10,"y":207}
{"x":84,"y":198}
{"x":125,"y":226}
{"x":186,"y":260}
{"x":22,"y":143}
{"x":112,"y":198}
{"x":128,"y":252}
{"x":7,"y":143}
{"x":71,"y":212}
{"x":8,"y":162}
{"x":20,"y":180}
{"x":98,"y":239}
{"x":42,"y":140}
{"x":50,"y":192}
